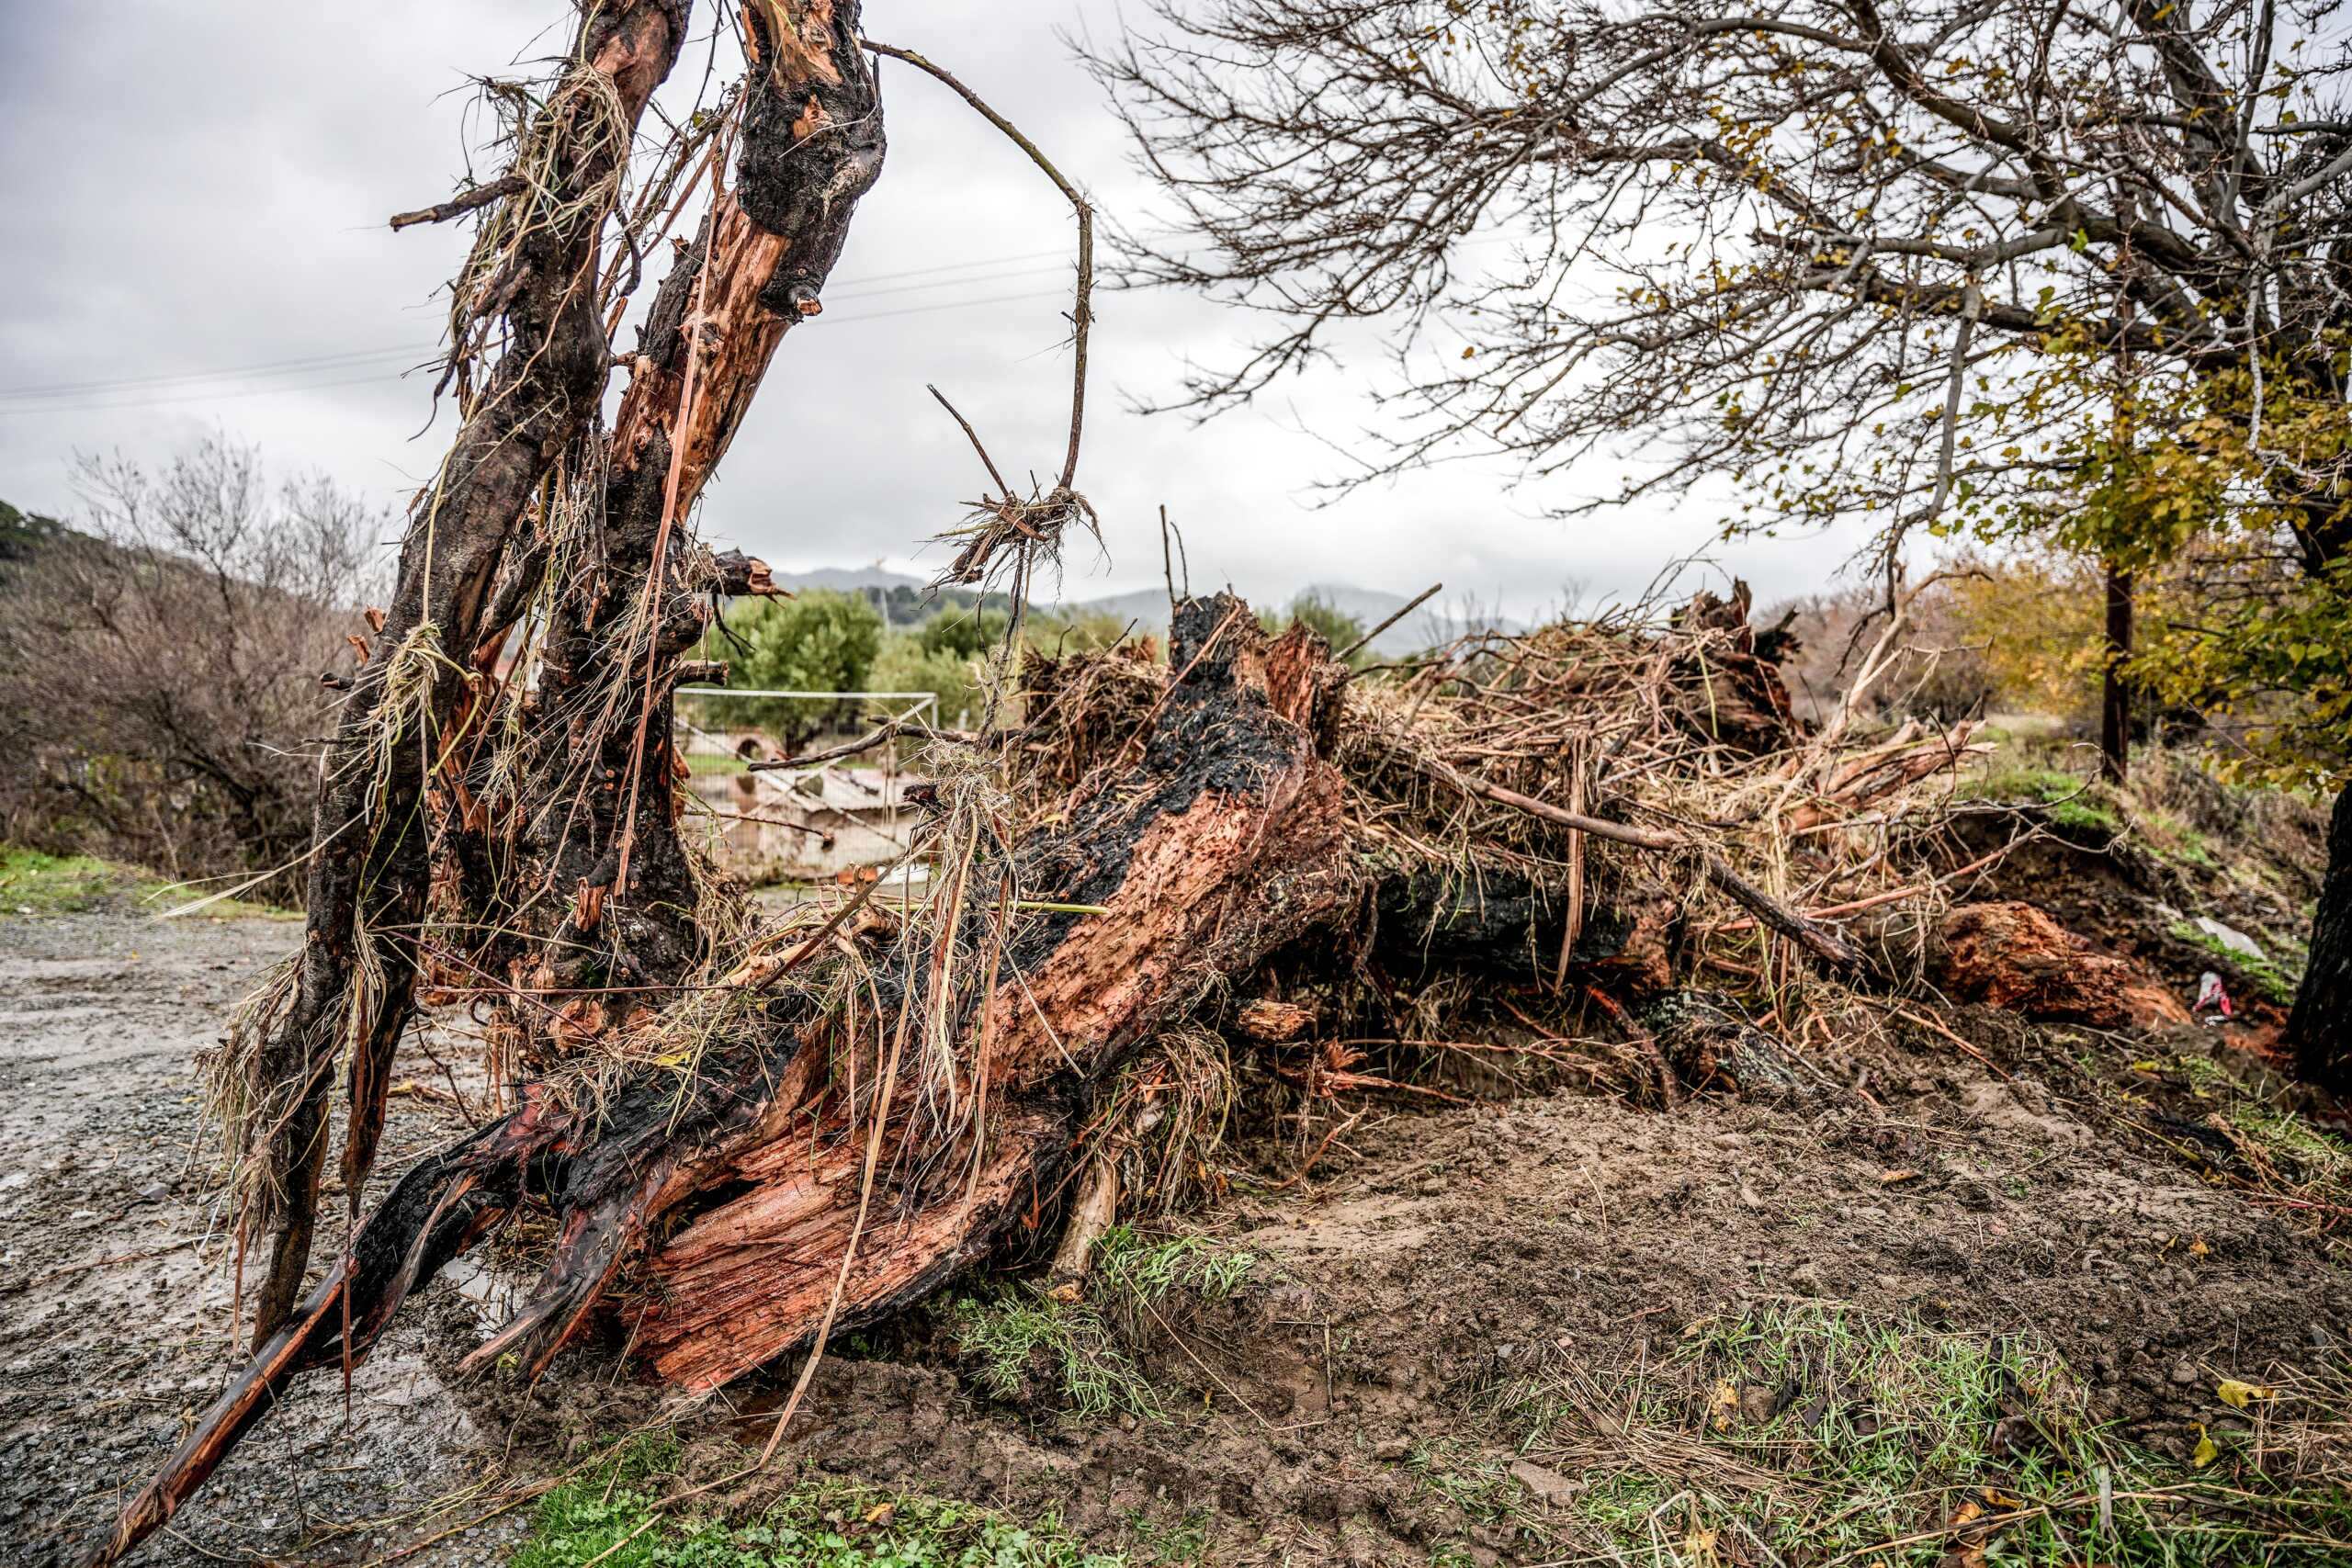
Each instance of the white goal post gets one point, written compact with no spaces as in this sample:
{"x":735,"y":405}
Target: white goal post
{"x":922,"y":706}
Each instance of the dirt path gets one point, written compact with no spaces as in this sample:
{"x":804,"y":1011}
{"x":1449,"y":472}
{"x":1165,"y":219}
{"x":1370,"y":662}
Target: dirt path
{"x":114,"y":1307}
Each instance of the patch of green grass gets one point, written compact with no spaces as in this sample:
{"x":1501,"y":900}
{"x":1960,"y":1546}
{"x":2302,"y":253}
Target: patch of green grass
{"x":1164,"y":1543}
{"x":1808,"y":1434}
{"x":2207,"y":1080}
{"x":2278,"y":1150}
{"x":1478,"y":1490}
{"x":2067,"y":801}
{"x":1023,"y":1335}
{"x":2175,"y":840}
{"x":607,"y":1516}
{"x":33,"y":884}
{"x":2274,"y":983}
{"x":1086,"y":1348}
{"x":1481,"y":1488}
{"x":1625,"y":1506}
{"x":1130,"y":1267}
{"x":2288,"y":1140}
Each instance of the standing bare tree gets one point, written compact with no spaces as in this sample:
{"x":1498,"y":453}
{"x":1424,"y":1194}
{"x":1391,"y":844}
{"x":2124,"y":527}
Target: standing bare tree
{"x":161,"y":697}
{"x":1870,"y":258}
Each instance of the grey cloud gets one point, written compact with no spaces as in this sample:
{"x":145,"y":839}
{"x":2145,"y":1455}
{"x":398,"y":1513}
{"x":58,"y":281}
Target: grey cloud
{"x":200,"y":187}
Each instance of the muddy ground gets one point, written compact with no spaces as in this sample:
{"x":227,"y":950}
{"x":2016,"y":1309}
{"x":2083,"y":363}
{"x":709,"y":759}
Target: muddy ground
{"x":1428,"y":1260}
{"x":115,"y":1323}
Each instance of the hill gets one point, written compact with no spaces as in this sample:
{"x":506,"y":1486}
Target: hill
{"x":1429,"y":624}
{"x":903,"y":602}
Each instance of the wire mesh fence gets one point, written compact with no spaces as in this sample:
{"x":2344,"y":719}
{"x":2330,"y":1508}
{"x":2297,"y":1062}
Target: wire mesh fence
{"x":822,"y":822}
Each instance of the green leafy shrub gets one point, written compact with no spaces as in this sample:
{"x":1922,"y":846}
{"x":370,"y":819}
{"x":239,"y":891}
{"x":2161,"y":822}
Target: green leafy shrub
{"x":911,"y":664}
{"x":820,"y":640}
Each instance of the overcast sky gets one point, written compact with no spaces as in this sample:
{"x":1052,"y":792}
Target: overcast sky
{"x":195,"y":239}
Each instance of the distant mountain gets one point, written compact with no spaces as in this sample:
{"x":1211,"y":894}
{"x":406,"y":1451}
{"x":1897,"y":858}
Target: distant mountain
{"x":849,"y":578}
{"x":1432,"y":624}
{"x":902,"y":599}
{"x":1147,"y":607}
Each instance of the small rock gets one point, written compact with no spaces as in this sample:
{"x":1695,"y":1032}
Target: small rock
{"x":2183,"y":1373}
{"x":1549,"y":1486}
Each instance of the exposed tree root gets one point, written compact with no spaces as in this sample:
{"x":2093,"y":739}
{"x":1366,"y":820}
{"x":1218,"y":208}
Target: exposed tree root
{"x":748,"y":1133}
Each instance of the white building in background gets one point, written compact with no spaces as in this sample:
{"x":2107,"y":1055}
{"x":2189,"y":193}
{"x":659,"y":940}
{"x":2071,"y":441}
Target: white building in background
{"x":805,"y":826}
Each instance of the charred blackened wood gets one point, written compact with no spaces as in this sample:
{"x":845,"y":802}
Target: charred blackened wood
{"x":1219,"y":845}
{"x":1503,"y":923}
{"x":369,"y":869}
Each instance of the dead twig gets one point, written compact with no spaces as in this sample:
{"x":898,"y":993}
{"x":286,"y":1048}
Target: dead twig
{"x":1082,"y":311}
{"x":1406,"y":608}
{"x":1822,"y":943}
{"x":459,"y":205}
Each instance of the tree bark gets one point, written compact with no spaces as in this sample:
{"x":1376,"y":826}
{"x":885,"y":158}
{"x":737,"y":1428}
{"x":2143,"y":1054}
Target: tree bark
{"x":2115,"y":689}
{"x":369,"y":870}
{"x":597,"y":828}
{"x":1220,"y":845}
{"x":2319,"y":1029}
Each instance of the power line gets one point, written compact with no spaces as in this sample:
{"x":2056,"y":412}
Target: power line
{"x":844,"y":294}
{"x":421,"y":351}
{"x":952,"y":266}
{"x":849,"y":289}
{"x":315,"y":361}
{"x":207,"y":395}
{"x":379,"y":378}
{"x":957,"y":305}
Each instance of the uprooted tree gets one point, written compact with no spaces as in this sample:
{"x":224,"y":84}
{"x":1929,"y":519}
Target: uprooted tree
{"x":750,"y":1132}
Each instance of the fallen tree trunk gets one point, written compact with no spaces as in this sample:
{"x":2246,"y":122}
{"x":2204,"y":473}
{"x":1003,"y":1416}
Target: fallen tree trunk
{"x":852,"y":1111}
{"x":1219,"y":845}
